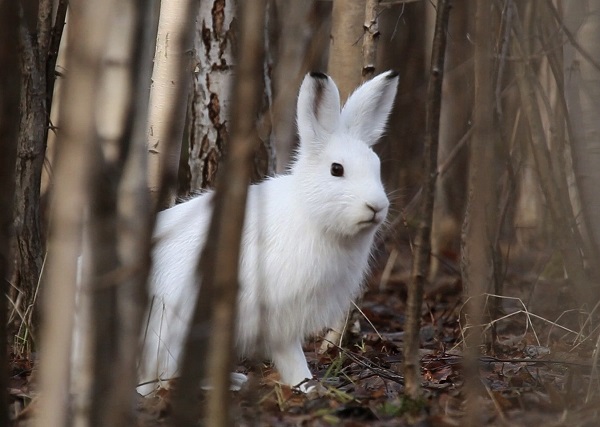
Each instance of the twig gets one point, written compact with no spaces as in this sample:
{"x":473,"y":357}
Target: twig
{"x":53,"y":46}
{"x":373,"y":367}
{"x":408,"y":211}
{"x":495,"y":402}
{"x":367,"y":319}
{"x":387,"y":271}
{"x":570,"y":36}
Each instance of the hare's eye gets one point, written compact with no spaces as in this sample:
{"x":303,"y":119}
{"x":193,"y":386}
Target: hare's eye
{"x":337,"y":169}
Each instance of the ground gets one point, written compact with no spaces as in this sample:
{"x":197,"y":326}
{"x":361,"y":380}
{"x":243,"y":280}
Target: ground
{"x":538,"y":371}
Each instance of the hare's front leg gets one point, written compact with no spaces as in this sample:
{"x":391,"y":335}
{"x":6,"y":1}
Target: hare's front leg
{"x":291,"y":363}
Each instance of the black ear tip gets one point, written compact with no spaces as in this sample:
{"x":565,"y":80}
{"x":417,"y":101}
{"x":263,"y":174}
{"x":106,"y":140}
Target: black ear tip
{"x":392,"y":74}
{"x":318,"y":75}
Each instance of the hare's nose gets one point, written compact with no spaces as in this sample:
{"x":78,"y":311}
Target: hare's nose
{"x":376,"y":208}
{"x":373,"y":208}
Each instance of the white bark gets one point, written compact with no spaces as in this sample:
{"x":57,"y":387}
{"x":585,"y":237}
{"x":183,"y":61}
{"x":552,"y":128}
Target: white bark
{"x":345,"y":51}
{"x":211,"y":103}
{"x":166,"y":76}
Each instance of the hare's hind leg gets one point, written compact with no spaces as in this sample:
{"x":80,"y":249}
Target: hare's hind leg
{"x":291,"y":363}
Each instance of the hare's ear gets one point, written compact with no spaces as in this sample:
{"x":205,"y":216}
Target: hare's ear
{"x":367,"y":109}
{"x":318,"y":109}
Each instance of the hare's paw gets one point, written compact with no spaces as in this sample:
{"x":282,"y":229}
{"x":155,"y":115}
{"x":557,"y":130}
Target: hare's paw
{"x":291,"y":363}
{"x":237,"y":381}
{"x":311,"y":388}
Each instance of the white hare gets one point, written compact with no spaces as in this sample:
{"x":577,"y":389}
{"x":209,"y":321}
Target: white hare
{"x":306,"y":242}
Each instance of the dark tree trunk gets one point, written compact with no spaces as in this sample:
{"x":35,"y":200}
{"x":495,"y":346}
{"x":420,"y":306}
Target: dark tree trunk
{"x":29,"y":243}
{"x":9,"y":129}
{"x":38,"y":43}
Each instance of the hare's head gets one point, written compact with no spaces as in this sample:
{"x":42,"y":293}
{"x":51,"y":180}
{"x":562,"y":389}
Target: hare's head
{"x":338,"y":172}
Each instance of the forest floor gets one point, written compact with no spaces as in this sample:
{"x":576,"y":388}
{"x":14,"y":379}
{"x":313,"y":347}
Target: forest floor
{"x":540,"y":369}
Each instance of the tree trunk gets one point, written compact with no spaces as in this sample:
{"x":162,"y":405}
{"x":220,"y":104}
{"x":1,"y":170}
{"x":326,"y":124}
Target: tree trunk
{"x":406,"y":125}
{"x":456,"y":112}
{"x":34,"y":37}
{"x":420,"y":267}
{"x":165,"y":130}
{"x":295,"y":30}
{"x":370,"y":39}
{"x":345,"y":55}
{"x":10,"y":82}
{"x":480,"y":218}
{"x":89,"y":22}
{"x":118,"y":300}
{"x":221,"y":259}
{"x":209,"y":104}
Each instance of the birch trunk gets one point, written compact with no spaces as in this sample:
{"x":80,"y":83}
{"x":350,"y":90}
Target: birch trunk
{"x":345,"y":49}
{"x":165,"y":130}
{"x":210,"y":100}
{"x":220,"y":260}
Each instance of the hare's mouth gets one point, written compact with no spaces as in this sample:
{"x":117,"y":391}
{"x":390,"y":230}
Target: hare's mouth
{"x":374,"y":220}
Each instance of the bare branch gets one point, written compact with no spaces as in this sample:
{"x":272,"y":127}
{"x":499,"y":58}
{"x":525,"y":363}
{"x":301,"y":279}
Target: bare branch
{"x":570,"y":36}
{"x":53,"y":46}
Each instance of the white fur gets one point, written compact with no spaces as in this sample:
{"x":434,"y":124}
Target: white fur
{"x":306,"y":242}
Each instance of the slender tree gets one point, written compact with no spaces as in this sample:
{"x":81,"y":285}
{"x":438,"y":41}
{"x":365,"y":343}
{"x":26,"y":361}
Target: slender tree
{"x":173,"y":44}
{"x":477,"y":261}
{"x":220,"y":259}
{"x":88,"y":32}
{"x":420,"y":265}
{"x":118,"y":225}
{"x":345,"y":59}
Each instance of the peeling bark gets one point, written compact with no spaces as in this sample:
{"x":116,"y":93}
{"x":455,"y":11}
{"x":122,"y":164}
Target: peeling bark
{"x":209,"y":104}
